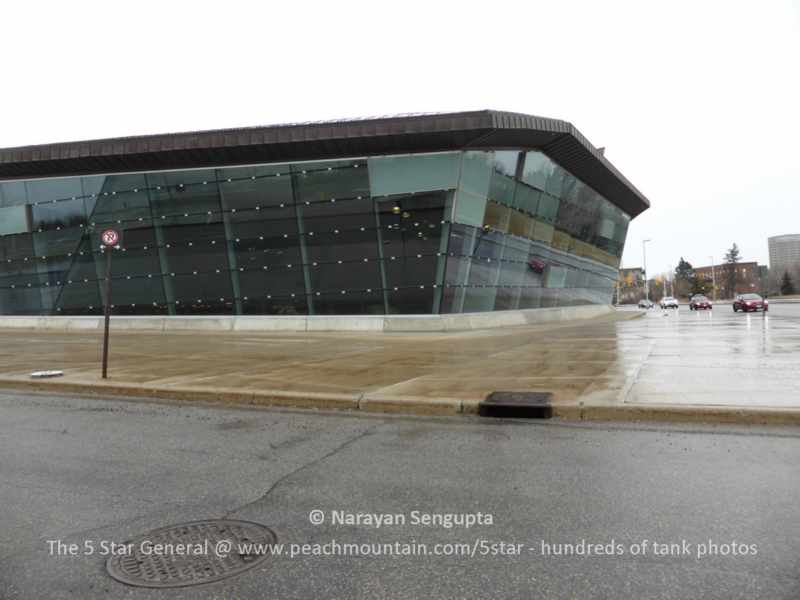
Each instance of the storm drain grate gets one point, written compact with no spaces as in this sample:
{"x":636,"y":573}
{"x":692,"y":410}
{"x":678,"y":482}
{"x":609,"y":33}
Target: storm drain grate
{"x":191,"y":553}
{"x":518,"y":405}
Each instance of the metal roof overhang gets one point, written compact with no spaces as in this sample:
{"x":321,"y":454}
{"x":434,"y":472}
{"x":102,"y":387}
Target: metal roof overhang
{"x":308,"y":141}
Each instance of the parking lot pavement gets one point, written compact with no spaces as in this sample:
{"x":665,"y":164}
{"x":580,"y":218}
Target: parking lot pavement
{"x":720,"y":501}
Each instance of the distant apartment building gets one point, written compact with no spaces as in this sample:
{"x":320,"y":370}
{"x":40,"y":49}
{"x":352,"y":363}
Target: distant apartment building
{"x":748,"y":277}
{"x":784,"y":255}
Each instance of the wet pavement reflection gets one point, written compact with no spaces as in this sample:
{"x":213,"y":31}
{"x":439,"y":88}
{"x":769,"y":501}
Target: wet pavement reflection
{"x":716,"y":357}
{"x":710,"y":358}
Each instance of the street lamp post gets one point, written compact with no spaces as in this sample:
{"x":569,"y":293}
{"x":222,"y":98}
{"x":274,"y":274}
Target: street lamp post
{"x":644,"y":266}
{"x":671,"y":275}
{"x":672,"y":282}
{"x":713,"y":278}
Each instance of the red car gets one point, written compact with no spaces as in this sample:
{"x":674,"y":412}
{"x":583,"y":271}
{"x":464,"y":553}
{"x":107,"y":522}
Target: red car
{"x":536,"y":265}
{"x":748,"y":302}
{"x":700,"y":303}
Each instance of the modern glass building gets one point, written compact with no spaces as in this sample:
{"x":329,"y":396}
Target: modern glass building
{"x":424,"y":214}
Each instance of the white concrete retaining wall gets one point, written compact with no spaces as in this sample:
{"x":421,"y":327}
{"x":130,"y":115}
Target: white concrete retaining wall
{"x":454,"y":322}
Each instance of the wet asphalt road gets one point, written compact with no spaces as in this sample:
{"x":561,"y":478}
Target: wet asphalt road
{"x":78,"y":469}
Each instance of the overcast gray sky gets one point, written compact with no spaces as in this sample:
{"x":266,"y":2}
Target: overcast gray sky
{"x":697,"y":102}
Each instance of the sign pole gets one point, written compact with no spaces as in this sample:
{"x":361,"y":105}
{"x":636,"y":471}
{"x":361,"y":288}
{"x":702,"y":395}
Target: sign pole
{"x":110,"y":239}
{"x":109,"y":252}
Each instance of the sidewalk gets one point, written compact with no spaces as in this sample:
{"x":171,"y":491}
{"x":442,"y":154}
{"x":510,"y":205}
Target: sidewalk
{"x":589,"y":366}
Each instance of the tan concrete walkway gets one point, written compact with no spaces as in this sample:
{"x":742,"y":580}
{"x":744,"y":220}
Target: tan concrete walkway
{"x":592,"y":367}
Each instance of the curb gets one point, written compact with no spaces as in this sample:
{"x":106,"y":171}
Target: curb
{"x":678,"y":414}
{"x":409,"y":405}
{"x":282,"y":398}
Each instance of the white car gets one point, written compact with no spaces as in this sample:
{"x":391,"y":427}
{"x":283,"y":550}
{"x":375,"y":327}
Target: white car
{"x":669,"y":302}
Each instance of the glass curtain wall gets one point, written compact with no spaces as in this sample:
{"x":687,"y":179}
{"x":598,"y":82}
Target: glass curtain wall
{"x":410,"y":234}
{"x":303,"y":238}
{"x":545,"y":238}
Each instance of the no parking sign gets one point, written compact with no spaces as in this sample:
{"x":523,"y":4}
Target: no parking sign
{"x":110,"y":237}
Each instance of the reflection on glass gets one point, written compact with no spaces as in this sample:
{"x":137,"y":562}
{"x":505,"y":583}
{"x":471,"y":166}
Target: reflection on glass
{"x":411,"y":234}
{"x":410,"y":231}
{"x":15,"y":219}
{"x":414,"y":173}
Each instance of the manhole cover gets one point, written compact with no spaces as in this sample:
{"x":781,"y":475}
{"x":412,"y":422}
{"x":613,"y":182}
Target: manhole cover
{"x":191,"y":553}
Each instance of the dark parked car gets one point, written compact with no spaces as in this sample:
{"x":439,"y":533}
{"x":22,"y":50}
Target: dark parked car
{"x":699,"y":302}
{"x":748,"y":302}
{"x":645,"y":304}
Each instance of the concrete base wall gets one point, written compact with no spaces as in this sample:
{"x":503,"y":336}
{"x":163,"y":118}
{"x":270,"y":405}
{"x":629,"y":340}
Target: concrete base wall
{"x":361,"y":323}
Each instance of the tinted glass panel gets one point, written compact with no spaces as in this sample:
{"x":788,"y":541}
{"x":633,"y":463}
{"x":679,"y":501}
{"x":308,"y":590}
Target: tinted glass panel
{"x":14,"y":219}
{"x":13,"y":193}
{"x":449,"y":232}
{"x":411,"y":228}
{"x":413,"y":173}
